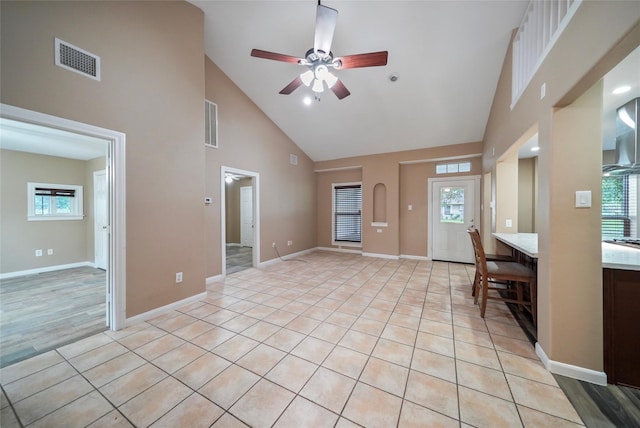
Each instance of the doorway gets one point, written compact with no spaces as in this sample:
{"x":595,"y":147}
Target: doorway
{"x":113,"y":200}
{"x":454,"y":208}
{"x":240,"y":219}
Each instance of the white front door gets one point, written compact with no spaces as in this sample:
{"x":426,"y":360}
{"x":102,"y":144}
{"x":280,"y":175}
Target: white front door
{"x":246,"y":216}
{"x":454,"y":209}
{"x":101,"y":219}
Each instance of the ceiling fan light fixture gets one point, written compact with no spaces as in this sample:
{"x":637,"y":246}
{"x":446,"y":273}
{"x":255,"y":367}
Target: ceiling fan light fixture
{"x":330,"y":79}
{"x":317,"y":86}
{"x":307,"y":77}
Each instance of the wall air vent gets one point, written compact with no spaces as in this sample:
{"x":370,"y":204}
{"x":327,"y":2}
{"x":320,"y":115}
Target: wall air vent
{"x":77,"y":60}
{"x":211,"y":124}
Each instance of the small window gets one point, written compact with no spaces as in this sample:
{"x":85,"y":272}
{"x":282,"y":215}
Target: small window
{"x":347,"y":214}
{"x":453,"y":168}
{"x":54,"y":202}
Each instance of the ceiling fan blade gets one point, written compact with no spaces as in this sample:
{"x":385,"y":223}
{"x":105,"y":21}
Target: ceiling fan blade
{"x":325,"y":26}
{"x":340,"y":90}
{"x":275,"y":56}
{"x":372,"y":59}
{"x":291,"y":86}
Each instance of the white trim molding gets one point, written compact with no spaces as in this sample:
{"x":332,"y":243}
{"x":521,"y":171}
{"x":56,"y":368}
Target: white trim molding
{"x":162,"y":309}
{"x":575,"y":372}
{"x":213,"y":279}
{"x":340,"y":250}
{"x":381,"y":256}
{"x":45,"y":269}
{"x":419,"y":258}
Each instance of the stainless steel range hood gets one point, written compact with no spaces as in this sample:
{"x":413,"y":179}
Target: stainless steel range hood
{"x":627,"y":140}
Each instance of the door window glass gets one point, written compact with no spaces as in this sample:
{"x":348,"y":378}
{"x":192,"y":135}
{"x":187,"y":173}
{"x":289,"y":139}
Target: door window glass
{"x":452,"y":205}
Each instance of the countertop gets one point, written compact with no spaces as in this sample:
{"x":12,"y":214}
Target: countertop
{"x":613,"y":256}
{"x":620,"y":257}
{"x":526,"y":243}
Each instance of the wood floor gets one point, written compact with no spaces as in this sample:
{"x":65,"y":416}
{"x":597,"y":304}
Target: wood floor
{"x":44,"y":311}
{"x":238,"y":258}
{"x":602,"y":406}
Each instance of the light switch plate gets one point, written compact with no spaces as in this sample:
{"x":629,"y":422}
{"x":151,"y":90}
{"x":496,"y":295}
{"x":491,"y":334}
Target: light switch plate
{"x":583,"y":198}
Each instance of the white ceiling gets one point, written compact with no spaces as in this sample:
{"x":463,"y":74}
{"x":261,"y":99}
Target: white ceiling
{"x":447,"y":54}
{"x":26,"y":137}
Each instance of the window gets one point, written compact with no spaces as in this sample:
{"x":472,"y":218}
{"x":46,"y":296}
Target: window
{"x":452,"y":168}
{"x":452,"y":205}
{"x":347,"y":213}
{"x":54,"y":201}
{"x":619,"y":206}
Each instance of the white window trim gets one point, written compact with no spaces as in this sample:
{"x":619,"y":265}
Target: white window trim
{"x":78,"y":204}
{"x":333,"y":217}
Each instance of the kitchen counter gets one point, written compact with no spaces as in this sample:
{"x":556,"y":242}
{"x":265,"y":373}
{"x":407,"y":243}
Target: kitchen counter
{"x":526,"y":243}
{"x":620,"y":257}
{"x":613,"y":256}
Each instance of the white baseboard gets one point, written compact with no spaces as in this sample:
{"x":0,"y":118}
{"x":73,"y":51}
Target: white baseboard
{"x":575,"y":372}
{"x":159,"y":311}
{"x":287,"y":257}
{"x":45,"y":269}
{"x":210,"y":280}
{"x":410,"y":257}
{"x":234,"y":244}
{"x":339,"y":250}
{"x":381,"y":256}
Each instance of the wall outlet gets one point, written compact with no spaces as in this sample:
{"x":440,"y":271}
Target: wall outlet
{"x":509,"y":223}
{"x":289,"y":243}
{"x":178,"y":277}
{"x":50,"y":252}
{"x":273,"y":245}
{"x":38,"y":253}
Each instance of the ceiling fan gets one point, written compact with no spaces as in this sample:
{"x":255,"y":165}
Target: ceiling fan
{"x":320,"y":60}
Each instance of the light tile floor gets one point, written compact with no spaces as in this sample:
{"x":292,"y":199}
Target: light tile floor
{"x":337,"y":340}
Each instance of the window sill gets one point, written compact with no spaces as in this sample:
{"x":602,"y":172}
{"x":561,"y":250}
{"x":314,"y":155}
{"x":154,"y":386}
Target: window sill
{"x":53,"y":218}
{"x":347,"y":244}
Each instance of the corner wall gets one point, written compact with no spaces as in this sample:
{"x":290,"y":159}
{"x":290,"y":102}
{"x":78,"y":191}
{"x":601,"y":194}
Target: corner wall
{"x":250,"y":141}
{"x":599,"y":36}
{"x":152,"y":89}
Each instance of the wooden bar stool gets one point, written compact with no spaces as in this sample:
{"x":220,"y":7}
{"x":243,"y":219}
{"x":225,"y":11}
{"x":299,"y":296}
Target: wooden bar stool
{"x":504,"y":277}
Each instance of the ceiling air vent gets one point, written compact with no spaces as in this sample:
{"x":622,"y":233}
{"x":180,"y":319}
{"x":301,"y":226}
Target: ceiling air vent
{"x":78,"y":60}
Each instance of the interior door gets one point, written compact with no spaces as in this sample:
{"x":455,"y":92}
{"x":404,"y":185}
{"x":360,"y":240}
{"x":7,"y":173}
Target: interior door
{"x":101,"y":219}
{"x":246,"y":216}
{"x":453,"y":212}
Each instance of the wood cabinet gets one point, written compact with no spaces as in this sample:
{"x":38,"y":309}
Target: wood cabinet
{"x":622,"y":326}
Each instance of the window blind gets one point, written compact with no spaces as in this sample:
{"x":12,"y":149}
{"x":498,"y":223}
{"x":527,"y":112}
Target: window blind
{"x":616,"y":222}
{"x":348,"y":213}
{"x":42,"y":191}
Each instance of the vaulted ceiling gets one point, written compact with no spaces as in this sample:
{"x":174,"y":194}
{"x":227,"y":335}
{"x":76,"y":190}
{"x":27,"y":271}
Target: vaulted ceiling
{"x":447,"y":56}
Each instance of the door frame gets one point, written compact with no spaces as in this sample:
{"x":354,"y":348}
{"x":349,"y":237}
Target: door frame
{"x":476,"y":208}
{"x":116,"y":185}
{"x":255,"y":183}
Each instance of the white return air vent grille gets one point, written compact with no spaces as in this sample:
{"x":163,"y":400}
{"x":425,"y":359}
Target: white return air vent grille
{"x":211,"y":124}
{"x":77,"y":60}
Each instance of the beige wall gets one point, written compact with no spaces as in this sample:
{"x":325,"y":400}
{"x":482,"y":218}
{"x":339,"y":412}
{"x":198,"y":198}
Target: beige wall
{"x":152,"y":89}
{"x":598,"y":37}
{"x":405,"y":176}
{"x":20,"y":238}
{"x":250,"y":141}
